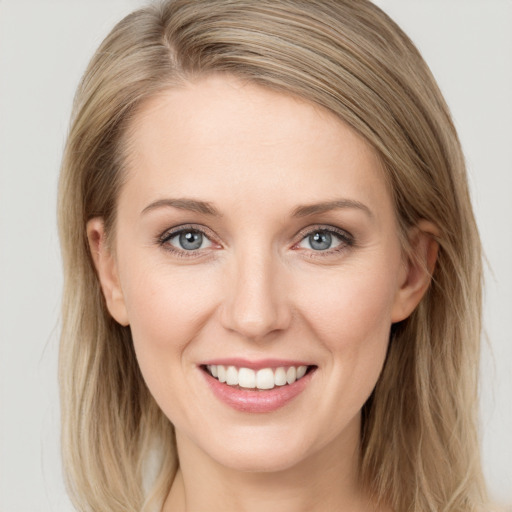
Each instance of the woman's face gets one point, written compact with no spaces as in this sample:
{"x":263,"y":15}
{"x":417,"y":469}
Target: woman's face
{"x":255,"y":234}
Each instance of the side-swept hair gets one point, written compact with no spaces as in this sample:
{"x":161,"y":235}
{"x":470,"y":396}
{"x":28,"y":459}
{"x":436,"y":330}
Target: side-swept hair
{"x":419,"y":443}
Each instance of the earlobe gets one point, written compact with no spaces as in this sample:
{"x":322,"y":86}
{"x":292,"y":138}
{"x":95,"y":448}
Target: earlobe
{"x":106,"y":268}
{"x":418,"y":269}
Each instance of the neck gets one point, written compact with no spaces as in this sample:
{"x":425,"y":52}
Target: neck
{"x":326,"y":480}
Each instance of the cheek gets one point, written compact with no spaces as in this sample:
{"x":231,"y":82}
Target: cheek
{"x":166,"y":307}
{"x":351,"y":318}
{"x":353,"y":310}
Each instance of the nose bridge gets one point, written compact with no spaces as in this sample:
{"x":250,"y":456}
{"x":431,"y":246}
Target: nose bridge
{"x":255,"y":301}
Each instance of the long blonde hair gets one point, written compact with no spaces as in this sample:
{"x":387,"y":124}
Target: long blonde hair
{"x":419,"y":443}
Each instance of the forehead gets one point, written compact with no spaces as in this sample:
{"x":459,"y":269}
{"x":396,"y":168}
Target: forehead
{"x":220,"y":136}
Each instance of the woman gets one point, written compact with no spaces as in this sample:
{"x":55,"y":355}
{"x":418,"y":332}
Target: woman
{"x":272,"y":294}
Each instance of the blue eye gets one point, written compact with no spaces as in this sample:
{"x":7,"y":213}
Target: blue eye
{"x":320,"y":241}
{"x":188,"y":240}
{"x":324,"y":240}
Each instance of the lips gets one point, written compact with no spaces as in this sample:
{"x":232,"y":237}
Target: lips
{"x":257,"y":387}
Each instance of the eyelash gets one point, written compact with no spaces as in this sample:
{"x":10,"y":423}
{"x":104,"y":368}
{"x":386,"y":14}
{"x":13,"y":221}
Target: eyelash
{"x":345,"y":238}
{"x":164,"y":239}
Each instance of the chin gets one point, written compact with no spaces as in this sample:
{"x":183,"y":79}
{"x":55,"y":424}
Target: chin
{"x":260,"y":460}
{"x":261,"y":452}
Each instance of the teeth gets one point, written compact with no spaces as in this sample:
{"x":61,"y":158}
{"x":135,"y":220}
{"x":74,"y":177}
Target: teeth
{"x":266,"y":378}
{"x":301,"y":371}
{"x":291,"y":375}
{"x":247,"y":378}
{"x":280,"y":377}
{"x":221,"y":373}
{"x":232,"y":376}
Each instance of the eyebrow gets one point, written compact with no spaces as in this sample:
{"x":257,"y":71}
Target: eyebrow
{"x":312,"y":209}
{"x":207,"y":208}
{"x":184,"y":204}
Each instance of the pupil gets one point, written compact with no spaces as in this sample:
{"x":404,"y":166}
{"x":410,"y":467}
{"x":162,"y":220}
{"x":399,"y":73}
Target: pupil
{"x":320,"y":241}
{"x":191,"y":240}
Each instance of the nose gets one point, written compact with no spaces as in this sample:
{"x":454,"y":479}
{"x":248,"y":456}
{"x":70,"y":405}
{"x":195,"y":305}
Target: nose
{"x":255,"y":301}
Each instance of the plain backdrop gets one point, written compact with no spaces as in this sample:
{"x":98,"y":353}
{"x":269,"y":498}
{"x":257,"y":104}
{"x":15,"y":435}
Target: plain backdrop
{"x":44,"y":48}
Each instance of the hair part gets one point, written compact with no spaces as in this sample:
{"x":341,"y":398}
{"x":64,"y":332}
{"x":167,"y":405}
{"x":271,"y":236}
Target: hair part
{"x":419,"y":443}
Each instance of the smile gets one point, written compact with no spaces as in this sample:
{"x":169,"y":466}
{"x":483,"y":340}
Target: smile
{"x":266,"y":387}
{"x":263,"y":379}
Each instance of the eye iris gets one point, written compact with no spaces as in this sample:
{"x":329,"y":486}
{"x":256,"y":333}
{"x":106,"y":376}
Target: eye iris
{"x":191,"y":240}
{"x":320,"y":241}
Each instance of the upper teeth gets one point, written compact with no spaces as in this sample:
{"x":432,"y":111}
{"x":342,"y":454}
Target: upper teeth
{"x":266,"y":378}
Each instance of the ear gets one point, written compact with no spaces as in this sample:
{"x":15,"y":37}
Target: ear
{"x":418,"y":269}
{"x":106,"y":267}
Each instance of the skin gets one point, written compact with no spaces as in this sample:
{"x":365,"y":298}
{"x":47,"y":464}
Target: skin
{"x":257,"y":288}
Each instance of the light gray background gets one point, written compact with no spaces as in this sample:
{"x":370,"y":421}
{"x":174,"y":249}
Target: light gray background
{"x":44,"y":48}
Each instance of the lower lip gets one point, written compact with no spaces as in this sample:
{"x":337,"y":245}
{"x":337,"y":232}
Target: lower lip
{"x":254,"y":400}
